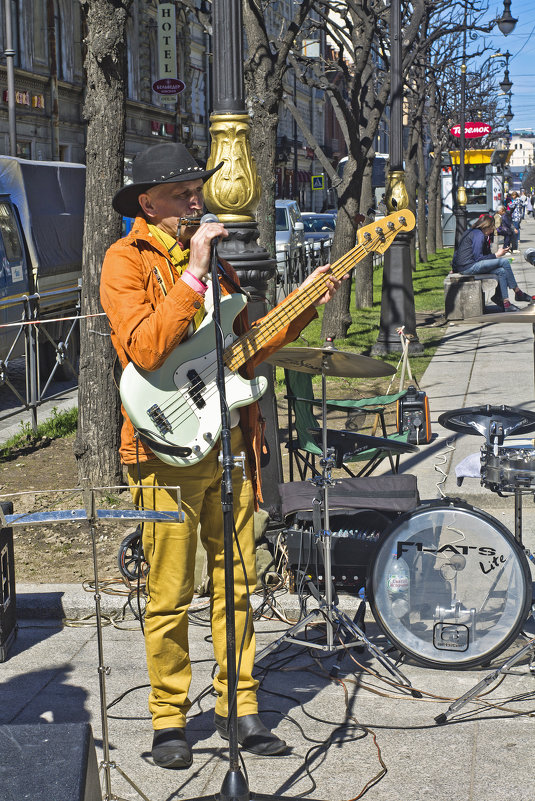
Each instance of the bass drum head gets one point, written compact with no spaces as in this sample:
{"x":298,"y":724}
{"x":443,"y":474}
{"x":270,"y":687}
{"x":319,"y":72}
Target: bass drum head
{"x":449,"y":585}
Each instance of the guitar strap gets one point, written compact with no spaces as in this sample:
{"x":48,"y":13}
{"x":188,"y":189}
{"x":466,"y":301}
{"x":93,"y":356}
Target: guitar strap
{"x":148,"y":438}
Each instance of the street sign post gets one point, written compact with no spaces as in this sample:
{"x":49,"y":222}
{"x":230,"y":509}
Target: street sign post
{"x":317,"y":181}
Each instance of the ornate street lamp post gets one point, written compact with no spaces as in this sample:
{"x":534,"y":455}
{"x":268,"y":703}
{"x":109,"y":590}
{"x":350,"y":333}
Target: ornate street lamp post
{"x":9,"y":53}
{"x":460,"y":206}
{"x":397,"y":298}
{"x":506,"y":24}
{"x":233,"y":194}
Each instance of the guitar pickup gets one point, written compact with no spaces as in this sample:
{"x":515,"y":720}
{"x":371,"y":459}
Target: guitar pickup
{"x":195,"y":388}
{"x":159,"y":419}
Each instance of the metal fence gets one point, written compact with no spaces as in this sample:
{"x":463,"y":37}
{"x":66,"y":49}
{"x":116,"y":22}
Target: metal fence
{"x":293,"y":270}
{"x":49,"y":346}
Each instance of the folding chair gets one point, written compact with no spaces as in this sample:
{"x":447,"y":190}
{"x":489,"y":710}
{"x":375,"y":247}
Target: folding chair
{"x":302,"y":444}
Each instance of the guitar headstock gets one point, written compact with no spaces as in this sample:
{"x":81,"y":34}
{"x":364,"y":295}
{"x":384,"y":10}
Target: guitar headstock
{"x":378,"y":236}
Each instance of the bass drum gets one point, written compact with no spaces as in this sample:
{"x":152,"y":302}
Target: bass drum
{"x":449,"y":585}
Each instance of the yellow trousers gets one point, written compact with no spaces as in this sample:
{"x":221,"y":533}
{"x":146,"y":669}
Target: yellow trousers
{"x":169,"y":550}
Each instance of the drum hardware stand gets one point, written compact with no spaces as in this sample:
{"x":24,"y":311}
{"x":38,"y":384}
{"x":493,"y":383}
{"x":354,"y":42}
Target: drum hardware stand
{"x":336,"y":620}
{"x":91,"y":514}
{"x":468,"y":696}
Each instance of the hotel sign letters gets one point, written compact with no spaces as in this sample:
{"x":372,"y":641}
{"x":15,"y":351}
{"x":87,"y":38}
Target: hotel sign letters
{"x":167,"y":46}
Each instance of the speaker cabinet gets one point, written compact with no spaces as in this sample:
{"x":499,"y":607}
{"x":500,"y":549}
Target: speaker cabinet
{"x":48,"y":761}
{"x":8,"y":607}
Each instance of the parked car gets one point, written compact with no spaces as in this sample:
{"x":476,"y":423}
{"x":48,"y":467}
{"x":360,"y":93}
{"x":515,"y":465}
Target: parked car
{"x":289,"y":233}
{"x":41,"y":231}
{"x":319,"y":227}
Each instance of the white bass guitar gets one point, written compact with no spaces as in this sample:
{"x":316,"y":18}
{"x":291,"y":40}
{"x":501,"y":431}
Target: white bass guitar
{"x":176,"y":409}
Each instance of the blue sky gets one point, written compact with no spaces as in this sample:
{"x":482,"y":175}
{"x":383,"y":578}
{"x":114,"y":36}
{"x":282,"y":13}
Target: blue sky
{"x":521,"y":45}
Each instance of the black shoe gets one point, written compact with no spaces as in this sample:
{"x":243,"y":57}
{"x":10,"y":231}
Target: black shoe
{"x":497,"y":299}
{"x":523,"y":297}
{"x":253,"y":736}
{"x":170,"y":749}
{"x":511,"y":308}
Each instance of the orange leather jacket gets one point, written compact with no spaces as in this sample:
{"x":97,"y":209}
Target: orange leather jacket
{"x":148,"y":323}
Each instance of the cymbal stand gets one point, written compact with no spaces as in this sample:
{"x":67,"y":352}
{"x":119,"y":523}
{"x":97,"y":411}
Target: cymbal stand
{"x":350,"y":634}
{"x":91,"y":514}
{"x":468,"y":696}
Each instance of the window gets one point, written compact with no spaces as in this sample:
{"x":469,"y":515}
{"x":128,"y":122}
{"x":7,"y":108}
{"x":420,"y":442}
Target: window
{"x":9,"y":233}
{"x":281,"y":220}
{"x":39,"y":30}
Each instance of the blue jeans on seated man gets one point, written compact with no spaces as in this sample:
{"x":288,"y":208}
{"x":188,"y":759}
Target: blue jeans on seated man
{"x":501,"y":268}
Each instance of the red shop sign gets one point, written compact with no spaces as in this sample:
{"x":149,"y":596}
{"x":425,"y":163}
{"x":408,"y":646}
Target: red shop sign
{"x":472,"y":130}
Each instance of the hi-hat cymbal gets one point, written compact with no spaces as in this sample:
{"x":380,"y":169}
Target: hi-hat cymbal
{"x":332,"y":362}
{"x":526,"y":315}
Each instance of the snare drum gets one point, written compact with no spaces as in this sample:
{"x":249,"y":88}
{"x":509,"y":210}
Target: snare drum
{"x":511,"y":468}
{"x":449,"y":585}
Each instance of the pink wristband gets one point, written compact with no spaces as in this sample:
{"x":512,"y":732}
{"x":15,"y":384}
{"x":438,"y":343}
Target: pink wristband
{"x":193,"y":282}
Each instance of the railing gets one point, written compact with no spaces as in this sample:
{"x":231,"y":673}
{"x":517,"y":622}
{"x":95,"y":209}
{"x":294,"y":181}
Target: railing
{"x":293,"y":269}
{"x":48,"y":356}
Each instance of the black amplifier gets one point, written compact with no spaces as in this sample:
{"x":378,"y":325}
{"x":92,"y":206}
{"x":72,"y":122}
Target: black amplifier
{"x":353,"y":540}
{"x":8,"y":609}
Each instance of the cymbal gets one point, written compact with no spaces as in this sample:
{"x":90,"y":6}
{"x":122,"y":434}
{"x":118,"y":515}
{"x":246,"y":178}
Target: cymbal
{"x":339,"y":363}
{"x":526,"y":315}
{"x":350,"y":443}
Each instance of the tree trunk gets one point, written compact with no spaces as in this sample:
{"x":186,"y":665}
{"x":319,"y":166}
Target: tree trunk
{"x":97,"y":442}
{"x":440,"y":242}
{"x":364,"y":270}
{"x":433,"y":202}
{"x":422,"y":241}
{"x":336,"y":315}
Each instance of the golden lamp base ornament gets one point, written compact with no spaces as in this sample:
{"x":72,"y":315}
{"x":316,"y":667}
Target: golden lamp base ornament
{"x":461,"y":196}
{"x":396,"y":192}
{"x":233,"y":192}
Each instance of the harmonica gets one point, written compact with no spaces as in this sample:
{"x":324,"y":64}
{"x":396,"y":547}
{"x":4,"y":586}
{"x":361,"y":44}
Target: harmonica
{"x":188,"y":222}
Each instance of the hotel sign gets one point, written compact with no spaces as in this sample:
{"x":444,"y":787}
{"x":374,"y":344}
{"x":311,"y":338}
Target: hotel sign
{"x":167,"y":50}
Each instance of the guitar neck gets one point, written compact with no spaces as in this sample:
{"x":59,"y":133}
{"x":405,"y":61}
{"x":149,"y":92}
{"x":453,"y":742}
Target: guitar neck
{"x":250,"y":343}
{"x":373,"y":238}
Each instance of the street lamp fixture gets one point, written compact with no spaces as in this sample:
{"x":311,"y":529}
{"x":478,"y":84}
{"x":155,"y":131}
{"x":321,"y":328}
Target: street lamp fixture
{"x":506,"y":85}
{"x":506,"y":23}
{"x":508,"y":116}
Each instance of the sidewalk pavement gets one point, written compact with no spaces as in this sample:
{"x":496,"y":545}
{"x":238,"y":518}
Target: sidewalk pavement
{"x":484,"y":753}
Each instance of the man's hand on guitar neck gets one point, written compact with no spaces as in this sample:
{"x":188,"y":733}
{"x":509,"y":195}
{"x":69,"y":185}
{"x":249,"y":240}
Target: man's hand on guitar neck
{"x":333,"y":284}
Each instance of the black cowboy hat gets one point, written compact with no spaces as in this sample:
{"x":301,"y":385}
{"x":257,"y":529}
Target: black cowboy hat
{"x":160,"y":164}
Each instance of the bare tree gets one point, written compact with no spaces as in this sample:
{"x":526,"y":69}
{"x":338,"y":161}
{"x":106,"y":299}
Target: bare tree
{"x":97,"y":441}
{"x":266,"y":63}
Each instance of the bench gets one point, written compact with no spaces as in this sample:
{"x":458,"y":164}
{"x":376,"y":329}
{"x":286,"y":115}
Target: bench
{"x":464,"y":295}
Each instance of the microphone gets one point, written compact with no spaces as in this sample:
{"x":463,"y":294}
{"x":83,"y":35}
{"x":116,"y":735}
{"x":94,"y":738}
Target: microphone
{"x":208,"y":218}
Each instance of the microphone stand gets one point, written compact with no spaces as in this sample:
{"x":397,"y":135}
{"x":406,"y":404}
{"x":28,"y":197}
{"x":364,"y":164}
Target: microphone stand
{"x":235,"y":786}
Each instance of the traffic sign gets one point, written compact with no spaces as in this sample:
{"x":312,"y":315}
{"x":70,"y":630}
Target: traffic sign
{"x":169,"y":86}
{"x":472,"y":130}
{"x":317,"y":181}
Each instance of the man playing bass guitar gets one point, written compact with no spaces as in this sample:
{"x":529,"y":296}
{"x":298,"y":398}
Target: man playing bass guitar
{"x":155,"y":292}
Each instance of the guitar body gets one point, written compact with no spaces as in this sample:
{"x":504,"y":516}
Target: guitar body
{"x":179,"y":403}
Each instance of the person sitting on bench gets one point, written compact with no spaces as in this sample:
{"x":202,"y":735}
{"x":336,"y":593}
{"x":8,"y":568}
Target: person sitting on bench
{"x":473,"y":257}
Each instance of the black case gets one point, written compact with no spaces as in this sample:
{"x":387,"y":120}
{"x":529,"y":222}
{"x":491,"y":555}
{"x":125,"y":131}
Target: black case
{"x":8,"y":606}
{"x":364,"y":505}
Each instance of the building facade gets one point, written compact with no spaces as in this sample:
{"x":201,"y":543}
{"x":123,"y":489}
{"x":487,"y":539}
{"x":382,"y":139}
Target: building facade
{"x":48,"y":42}
{"x":48,"y":38}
